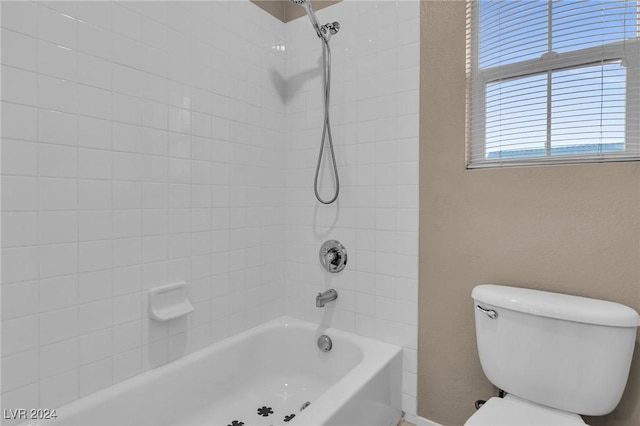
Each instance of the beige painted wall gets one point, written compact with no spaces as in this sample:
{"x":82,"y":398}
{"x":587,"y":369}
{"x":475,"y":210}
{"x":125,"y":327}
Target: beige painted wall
{"x":286,"y":11}
{"x":273,"y":7}
{"x":573,"y":229}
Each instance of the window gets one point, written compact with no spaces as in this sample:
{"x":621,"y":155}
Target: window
{"x":552,"y":82}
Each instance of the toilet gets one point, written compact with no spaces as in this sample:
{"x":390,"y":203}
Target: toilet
{"x":555,"y":356}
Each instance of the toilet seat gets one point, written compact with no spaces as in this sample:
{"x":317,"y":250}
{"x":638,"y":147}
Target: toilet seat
{"x":513,"y":411}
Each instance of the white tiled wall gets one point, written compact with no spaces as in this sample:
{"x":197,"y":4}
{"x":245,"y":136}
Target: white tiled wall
{"x":141,"y":145}
{"x":374,"y":114}
{"x":151,"y":142}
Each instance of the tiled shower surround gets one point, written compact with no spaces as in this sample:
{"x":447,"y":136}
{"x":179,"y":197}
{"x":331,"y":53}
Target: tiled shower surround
{"x":146,"y":143}
{"x":374,"y":114}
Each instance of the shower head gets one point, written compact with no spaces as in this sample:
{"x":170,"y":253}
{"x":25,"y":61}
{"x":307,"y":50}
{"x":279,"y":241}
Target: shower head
{"x":312,"y":16}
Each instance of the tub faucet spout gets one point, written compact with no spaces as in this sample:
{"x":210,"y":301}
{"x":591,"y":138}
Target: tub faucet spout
{"x":326,"y":296}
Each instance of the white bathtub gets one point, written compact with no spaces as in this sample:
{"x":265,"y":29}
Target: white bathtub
{"x":272,"y":369}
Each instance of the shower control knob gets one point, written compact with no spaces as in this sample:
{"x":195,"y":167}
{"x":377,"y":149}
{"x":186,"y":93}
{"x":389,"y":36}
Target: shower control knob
{"x":333,"y":256}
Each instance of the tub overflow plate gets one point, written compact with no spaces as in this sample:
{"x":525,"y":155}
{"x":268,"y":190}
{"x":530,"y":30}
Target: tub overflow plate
{"x":324,"y":343}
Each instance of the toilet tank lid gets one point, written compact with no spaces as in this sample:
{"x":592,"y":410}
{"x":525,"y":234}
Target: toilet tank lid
{"x":558,"y":306}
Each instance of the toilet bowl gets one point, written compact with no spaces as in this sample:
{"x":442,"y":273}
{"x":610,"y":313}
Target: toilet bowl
{"x":556,"y":356}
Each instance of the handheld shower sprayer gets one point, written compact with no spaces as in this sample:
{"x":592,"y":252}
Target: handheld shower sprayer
{"x":311,"y":14}
{"x":324,"y":32}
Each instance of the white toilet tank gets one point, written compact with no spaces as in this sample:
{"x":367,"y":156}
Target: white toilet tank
{"x":567,"y":352}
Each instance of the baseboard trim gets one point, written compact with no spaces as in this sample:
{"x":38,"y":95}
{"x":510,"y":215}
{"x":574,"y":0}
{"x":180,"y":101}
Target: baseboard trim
{"x":419,"y":421}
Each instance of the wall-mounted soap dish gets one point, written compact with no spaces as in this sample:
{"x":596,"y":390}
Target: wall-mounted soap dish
{"x":169,"y":301}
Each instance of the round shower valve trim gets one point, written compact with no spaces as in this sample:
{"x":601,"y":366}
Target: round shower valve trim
{"x":333,"y":256}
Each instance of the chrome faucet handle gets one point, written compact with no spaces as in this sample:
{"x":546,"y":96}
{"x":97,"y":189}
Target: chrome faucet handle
{"x":333,"y":256}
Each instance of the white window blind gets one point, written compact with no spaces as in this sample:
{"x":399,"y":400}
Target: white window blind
{"x":552,"y":82}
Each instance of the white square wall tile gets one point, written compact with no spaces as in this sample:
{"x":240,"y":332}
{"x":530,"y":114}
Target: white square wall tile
{"x":127,"y":195}
{"x":154,"y":33}
{"x":127,"y":364}
{"x":19,"y":334}
{"x":59,"y":390}
{"x":19,"y":193}
{"x":126,"y":109}
{"x":19,"y":264}
{"x":19,"y":370}
{"x":57,"y":227}
{"x":127,"y":308}
{"x":58,"y":194}
{"x":19,"y":229}
{"x":94,"y":133}
{"x":127,"y":137}
{"x":19,"y":50}
{"x":58,"y":292}
{"x":57,"y":161}
{"x":154,"y":249}
{"x":19,"y":299}
{"x":406,"y":312}
{"x":409,"y":383}
{"x":95,"y":255}
{"x":94,"y":102}
{"x":26,"y":396}
{"x":409,"y":403}
{"x":94,"y":346}
{"x":127,"y":223}
{"x":57,"y":61}
{"x":154,"y":141}
{"x":19,"y":86}
{"x":127,"y":80}
{"x":57,"y":27}
{"x":58,"y":358}
{"x":58,"y":325}
{"x":406,"y":336}
{"x":19,"y":122}
{"x":20,"y":17}
{"x":154,"y":168}
{"x":93,"y":71}
{"x":126,"y":22}
{"x":94,"y":163}
{"x":95,"y":225}
{"x":94,"y":286}
{"x":19,"y":157}
{"x":58,"y":259}
{"x":126,"y":51}
{"x":98,"y":14}
{"x":154,"y":222}
{"x":154,"y":195}
{"x":127,"y":280}
{"x":410,"y":360}
{"x":95,"y":194}
{"x":127,"y":252}
{"x":127,"y":336}
{"x":57,"y":94}
{"x":95,"y":316}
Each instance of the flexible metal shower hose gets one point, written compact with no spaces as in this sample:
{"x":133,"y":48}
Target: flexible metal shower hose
{"x":326,"y":128}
